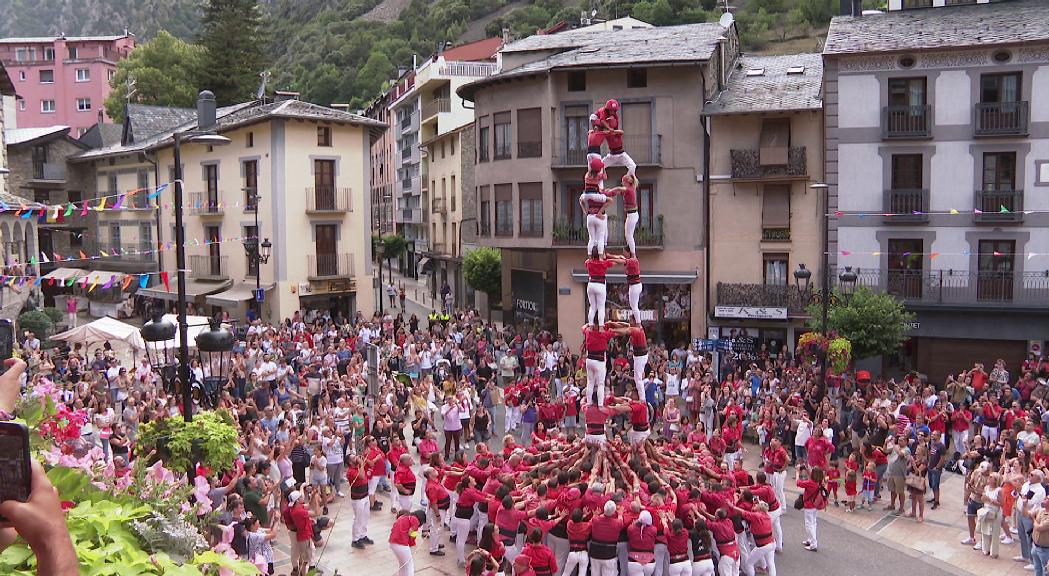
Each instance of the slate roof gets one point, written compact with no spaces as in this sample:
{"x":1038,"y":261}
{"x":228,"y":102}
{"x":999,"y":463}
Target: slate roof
{"x":144,"y":120}
{"x":774,"y":90}
{"x":102,"y":134}
{"x":1006,"y":22}
{"x":235,"y":116}
{"x":16,"y":136}
{"x":39,"y":39}
{"x":594,"y":48}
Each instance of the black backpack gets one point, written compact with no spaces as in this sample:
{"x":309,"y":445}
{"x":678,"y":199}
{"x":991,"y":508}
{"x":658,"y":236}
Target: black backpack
{"x":240,"y":539}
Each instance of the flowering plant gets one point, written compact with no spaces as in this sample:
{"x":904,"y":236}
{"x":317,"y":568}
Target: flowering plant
{"x":63,"y":426}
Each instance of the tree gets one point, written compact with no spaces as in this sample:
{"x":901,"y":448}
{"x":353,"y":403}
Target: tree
{"x":483,"y":270}
{"x":166,"y":71}
{"x":233,"y":44}
{"x":875,"y":323}
{"x":393,"y":246}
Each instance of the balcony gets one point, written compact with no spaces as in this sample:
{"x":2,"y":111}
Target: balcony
{"x":1000,"y":206}
{"x":571,"y":235}
{"x":328,"y":200}
{"x":438,"y":248}
{"x":206,"y":203}
{"x":906,"y":122}
{"x":746,"y":165}
{"x":329,"y":266}
{"x":906,"y":205}
{"x":251,"y":201}
{"x":409,"y":216}
{"x":49,"y":173}
{"x":1001,"y":118}
{"x":410,"y":123}
{"x":961,"y":287}
{"x":436,"y":106}
{"x":775,"y":234}
{"x":208,"y":267}
{"x":438,"y":206}
{"x":761,"y":296}
{"x":468,"y":69}
{"x":645,"y":149}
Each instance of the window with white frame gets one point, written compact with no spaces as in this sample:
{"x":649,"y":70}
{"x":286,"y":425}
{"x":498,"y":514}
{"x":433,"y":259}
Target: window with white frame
{"x":83,"y":74}
{"x":83,"y":104}
{"x":47,"y":105}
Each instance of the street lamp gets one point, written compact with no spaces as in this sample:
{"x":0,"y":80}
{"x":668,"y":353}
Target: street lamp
{"x":203,"y":134}
{"x":801,"y":278}
{"x":215,"y":352}
{"x":847,"y":281}
{"x":258,"y":253}
{"x":157,"y":333}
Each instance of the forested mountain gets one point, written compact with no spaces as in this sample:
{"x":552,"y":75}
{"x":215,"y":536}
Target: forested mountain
{"x":329,"y":53}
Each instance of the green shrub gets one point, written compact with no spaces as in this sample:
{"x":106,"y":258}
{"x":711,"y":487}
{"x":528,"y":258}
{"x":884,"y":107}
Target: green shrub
{"x":36,"y":322}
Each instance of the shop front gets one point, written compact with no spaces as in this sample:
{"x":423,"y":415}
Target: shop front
{"x":757,"y":332}
{"x":529,"y":297}
{"x":333,"y":296}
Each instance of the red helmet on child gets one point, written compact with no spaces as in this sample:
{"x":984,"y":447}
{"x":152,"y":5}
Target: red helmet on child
{"x":596,"y":165}
{"x":612,"y":105}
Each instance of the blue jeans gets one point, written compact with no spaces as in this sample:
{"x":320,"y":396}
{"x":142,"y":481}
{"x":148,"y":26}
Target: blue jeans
{"x":1025,"y":539}
{"x":1039,"y":556}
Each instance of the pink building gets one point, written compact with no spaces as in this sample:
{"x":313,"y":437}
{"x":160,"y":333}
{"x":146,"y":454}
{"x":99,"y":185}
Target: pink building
{"x":63,"y":81}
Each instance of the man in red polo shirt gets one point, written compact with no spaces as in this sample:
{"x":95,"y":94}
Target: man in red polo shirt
{"x":297,"y":518}
{"x":775,"y":459}
{"x":402,"y":539}
{"x":607,"y":119}
{"x":595,"y":339}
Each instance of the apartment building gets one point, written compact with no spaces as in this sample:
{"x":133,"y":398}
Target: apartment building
{"x":766,"y":150}
{"x":381,"y":168}
{"x":40,"y":172}
{"x":63,"y":80}
{"x":410,"y":178}
{"x":446,"y":132}
{"x":937,"y":158}
{"x":17,"y":236}
{"x":531,"y":122}
{"x":295,"y":173}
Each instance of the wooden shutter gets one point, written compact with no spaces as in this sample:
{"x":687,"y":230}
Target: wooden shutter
{"x":775,"y":206}
{"x":775,"y":140}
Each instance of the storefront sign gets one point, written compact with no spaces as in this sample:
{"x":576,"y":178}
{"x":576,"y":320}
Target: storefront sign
{"x":331,"y":286}
{"x":527,"y":291}
{"x":624,"y":315}
{"x":750,"y":312}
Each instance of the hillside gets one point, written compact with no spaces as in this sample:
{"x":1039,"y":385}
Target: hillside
{"x":347,"y":50}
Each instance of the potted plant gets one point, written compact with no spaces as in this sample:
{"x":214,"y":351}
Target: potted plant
{"x":210,"y":439}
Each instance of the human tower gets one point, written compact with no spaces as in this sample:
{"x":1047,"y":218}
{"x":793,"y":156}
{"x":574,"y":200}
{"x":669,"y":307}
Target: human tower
{"x":597,"y":332}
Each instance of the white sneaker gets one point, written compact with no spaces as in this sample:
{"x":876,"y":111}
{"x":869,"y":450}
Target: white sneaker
{"x":968,"y":541}
{"x":978,"y":546}
{"x":1007,"y":541}
{"x":341,"y":495}
{"x":1029,"y":567}
{"x":1018,"y":558}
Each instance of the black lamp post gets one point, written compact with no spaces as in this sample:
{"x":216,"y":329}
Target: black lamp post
{"x":258,"y":253}
{"x":203,"y":134}
{"x":847,"y":281}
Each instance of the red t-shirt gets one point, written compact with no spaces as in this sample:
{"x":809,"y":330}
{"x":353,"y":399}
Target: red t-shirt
{"x":632,"y":266}
{"x":403,"y":527}
{"x":300,"y":518}
{"x":597,"y":339}
{"x":405,"y":477}
{"x":638,"y":340}
{"x":629,"y":198}
{"x":639,"y":414}
{"x":378,"y":459}
{"x":597,"y":269}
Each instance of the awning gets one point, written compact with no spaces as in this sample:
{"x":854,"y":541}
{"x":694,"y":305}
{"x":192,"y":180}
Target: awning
{"x":103,"y":276}
{"x":240,"y":292}
{"x":194,"y":289}
{"x":64,"y":274}
{"x":423,"y":262}
{"x":687,"y":277}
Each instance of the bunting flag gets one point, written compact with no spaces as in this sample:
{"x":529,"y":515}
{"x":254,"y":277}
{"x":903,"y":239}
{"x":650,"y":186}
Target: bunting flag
{"x":83,"y":212}
{"x":164,"y":279}
{"x":109,"y":283}
{"x":94,"y":284}
{"x":43,"y":258}
{"x":69,"y":210}
{"x":125,"y":283}
{"x":143,"y":280}
{"x":120,"y":202}
{"x":101,"y":204}
{"x":83,"y":256}
{"x":157,"y":192}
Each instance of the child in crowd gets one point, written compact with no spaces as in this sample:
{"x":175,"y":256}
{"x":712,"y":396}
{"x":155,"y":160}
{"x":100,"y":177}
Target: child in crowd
{"x":834,"y":478}
{"x":870,"y":483}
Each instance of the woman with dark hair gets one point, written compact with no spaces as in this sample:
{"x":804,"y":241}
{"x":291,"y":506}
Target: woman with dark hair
{"x":492,"y":545}
{"x":259,"y":540}
{"x":467,"y":497}
{"x":542,"y":558}
{"x":481,"y":563}
{"x":702,"y":549}
{"x":677,"y":548}
{"x":814,"y":499}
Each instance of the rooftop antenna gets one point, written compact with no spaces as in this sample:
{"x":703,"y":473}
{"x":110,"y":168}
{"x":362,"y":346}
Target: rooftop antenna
{"x":261,"y":92}
{"x":130,"y":90}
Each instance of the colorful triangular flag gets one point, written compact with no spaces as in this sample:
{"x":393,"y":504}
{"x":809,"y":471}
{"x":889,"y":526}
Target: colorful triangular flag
{"x":109,"y":283}
{"x":143,"y":280}
{"x":69,"y":209}
{"x":120,"y":202}
{"x":157,"y":192}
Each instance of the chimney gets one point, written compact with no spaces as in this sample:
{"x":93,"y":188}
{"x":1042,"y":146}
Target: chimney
{"x":205,"y":109}
{"x":850,"y":7}
{"x":282,"y":95}
{"x":342,"y":107}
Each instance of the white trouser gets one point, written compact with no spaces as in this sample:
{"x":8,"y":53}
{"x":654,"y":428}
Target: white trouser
{"x":728,"y":566}
{"x":597,"y":228}
{"x":777,"y":527}
{"x":404,"y":502}
{"x":511,"y":553}
{"x":72,"y":319}
{"x":810,"y":525}
{"x":763,"y":555}
{"x":631,"y":225}
{"x":636,"y":569}
{"x":703,"y":568}
{"x":405,"y":563}
{"x":620,"y":159}
{"x":608,"y":567}
{"x":959,"y":440}
{"x":436,"y":522}
{"x":559,"y":546}
{"x":639,"y":375}
{"x":683,"y":568}
{"x":595,"y":440}
{"x":596,"y":294}
{"x":990,"y":433}
{"x":777,"y":479}
{"x":637,"y":437}
{"x":575,"y":559}
{"x":361,"y":513}
{"x":461,"y":528}
{"x":595,"y":378}
{"x":662,"y":559}
{"x":478,"y":521}
{"x":730,"y":458}
{"x":634,"y":295}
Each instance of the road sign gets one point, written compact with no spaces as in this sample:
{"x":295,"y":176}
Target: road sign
{"x":260,"y":294}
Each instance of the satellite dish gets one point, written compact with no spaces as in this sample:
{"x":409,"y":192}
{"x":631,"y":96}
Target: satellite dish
{"x":593,"y":13}
{"x":726,"y":20}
